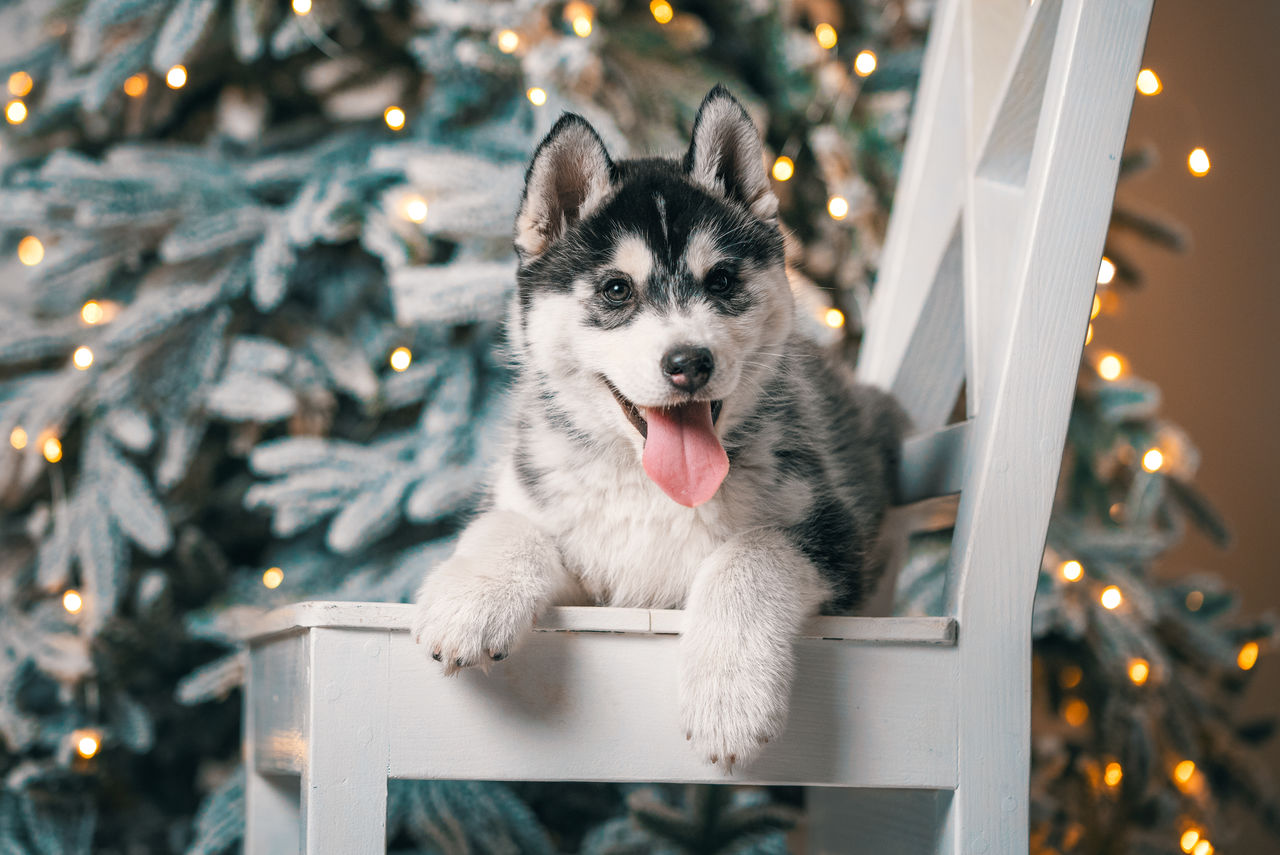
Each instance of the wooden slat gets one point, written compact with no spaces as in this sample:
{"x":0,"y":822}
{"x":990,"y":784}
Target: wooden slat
{"x":397,"y":617}
{"x":933,"y":463}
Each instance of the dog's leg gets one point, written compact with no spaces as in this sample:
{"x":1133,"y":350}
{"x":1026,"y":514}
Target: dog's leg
{"x":475,"y":607}
{"x":746,"y":605}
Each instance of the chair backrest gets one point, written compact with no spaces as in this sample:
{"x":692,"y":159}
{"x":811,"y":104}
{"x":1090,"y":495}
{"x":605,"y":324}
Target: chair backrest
{"x":989,"y":268}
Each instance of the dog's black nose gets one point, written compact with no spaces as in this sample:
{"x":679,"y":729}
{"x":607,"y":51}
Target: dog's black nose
{"x":688,"y":368}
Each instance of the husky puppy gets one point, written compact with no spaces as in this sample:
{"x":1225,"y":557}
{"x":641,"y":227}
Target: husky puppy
{"x":674,"y":443}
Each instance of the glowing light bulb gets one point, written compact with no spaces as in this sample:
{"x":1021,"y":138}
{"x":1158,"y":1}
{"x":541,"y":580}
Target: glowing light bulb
{"x":87,"y":742}
{"x":176,"y":77}
{"x":1204,"y":847}
{"x":1110,"y":367}
{"x":1070,"y":676}
{"x":18,"y":438}
{"x":1152,"y":460}
{"x":302,"y":7}
{"x":82,"y":358}
{"x":1198,"y":162}
{"x":1248,"y":655}
{"x":1076,"y":712}
{"x":1072,"y":571}
{"x":91,"y":312}
{"x":415,"y":209}
{"x":1139,"y":671}
{"x":1096,"y":308}
{"x":834,"y":318}
{"x":508,"y":41}
{"x":135,"y":85}
{"x":838,"y":207}
{"x":52,"y":449}
{"x":1113,"y":774}
{"x":1149,"y":82}
{"x":661,"y":11}
{"x":826,"y":35}
{"x":1111,"y":597}
{"x":400,"y":358}
{"x":20,"y":83}
{"x":30,"y":251}
{"x":864,"y":63}
{"x":1189,"y":839}
{"x":272,"y":577}
{"x":1184,"y":771}
{"x":579,"y":16}
{"x":1106,"y":271}
{"x":1195,"y":599}
{"x":783,"y":168}
{"x":16,"y":112}
{"x":537,"y":96}
{"x":394,"y":117}
{"x":72,"y":601}
{"x":1088,"y":334}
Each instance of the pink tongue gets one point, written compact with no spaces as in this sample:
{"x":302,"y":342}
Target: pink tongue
{"x":682,"y":454}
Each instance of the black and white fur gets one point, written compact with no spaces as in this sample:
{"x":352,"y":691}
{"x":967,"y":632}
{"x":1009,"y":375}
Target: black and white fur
{"x":572,"y":516}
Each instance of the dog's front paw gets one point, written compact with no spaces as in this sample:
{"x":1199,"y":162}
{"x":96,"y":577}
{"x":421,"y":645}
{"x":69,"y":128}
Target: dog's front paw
{"x":730,"y":706}
{"x":465,"y":618}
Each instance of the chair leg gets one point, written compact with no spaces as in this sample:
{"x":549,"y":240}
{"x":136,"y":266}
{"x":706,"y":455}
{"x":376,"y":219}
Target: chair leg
{"x":273,"y":814}
{"x":902,"y":822}
{"x":344,"y":775}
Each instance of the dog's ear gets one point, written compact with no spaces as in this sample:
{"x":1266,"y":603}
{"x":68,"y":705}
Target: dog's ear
{"x":570,"y":176}
{"x":725,"y":155}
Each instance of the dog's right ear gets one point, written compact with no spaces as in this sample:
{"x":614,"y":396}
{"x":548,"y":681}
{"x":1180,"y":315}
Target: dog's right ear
{"x":570,"y":176}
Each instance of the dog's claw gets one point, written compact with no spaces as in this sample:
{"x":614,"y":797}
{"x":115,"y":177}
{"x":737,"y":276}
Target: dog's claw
{"x":497,"y":656}
{"x":457,"y":663}
{"x":435,"y":654}
{"x":688,"y":734}
{"x":715,"y":758}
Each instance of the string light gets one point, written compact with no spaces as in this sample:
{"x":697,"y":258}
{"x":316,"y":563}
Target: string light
{"x":864,"y":63}
{"x":302,"y":7}
{"x":1189,"y":839}
{"x":20,"y":83}
{"x":1088,"y":334}
{"x":16,"y":112}
{"x":1116,"y":511}
{"x":30,"y":251}
{"x":1204,"y":847}
{"x":1096,"y":308}
{"x":1198,"y":162}
{"x":394,"y":117}
{"x":272,"y":577}
{"x":87,"y":742}
{"x":400,"y":358}
{"x":783,"y":168}
{"x":1139,"y":671}
{"x":826,"y":35}
{"x":52,"y":449}
{"x":1106,"y":271}
{"x":18,"y":438}
{"x":91,"y":312}
{"x":1070,"y":676}
{"x":72,"y":601}
{"x":1248,"y":655}
{"x":1110,"y":367}
{"x":1072,"y":571}
{"x":508,"y":41}
{"x":176,"y":77}
{"x":661,"y":11}
{"x":537,"y":96}
{"x":838,"y":207}
{"x":1113,"y":774}
{"x":1194,"y":601}
{"x":579,"y":16}
{"x":82,"y":358}
{"x":1149,"y":82}
{"x":135,"y":85}
{"x":1184,"y":771}
{"x":1153,"y":460}
{"x":415,"y":209}
{"x":1111,"y":598}
{"x":834,"y":318}
{"x":1076,"y":712}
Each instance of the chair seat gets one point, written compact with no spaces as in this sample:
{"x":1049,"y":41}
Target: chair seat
{"x":592,"y":696}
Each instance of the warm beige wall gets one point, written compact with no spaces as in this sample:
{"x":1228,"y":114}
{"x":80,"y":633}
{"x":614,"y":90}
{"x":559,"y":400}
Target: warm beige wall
{"x":1207,"y":326}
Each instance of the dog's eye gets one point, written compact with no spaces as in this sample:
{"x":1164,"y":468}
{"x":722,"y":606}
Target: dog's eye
{"x":617,"y":290}
{"x":720,"y":281}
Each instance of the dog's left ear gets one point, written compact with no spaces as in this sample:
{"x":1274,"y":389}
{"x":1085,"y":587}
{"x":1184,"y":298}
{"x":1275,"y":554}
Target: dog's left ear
{"x":725,"y":155}
{"x":570,"y":176}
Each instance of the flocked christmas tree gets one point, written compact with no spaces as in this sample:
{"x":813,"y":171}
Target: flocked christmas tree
{"x":255,"y":260}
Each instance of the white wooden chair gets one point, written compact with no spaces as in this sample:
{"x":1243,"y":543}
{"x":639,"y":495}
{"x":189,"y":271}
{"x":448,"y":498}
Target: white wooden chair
{"x":916,"y":731}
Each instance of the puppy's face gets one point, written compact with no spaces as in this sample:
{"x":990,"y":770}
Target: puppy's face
{"x":650,"y":286}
